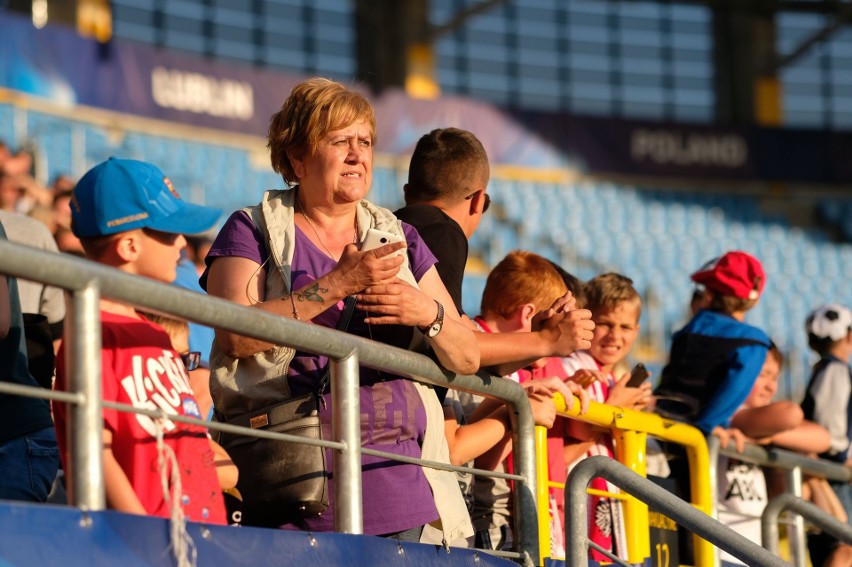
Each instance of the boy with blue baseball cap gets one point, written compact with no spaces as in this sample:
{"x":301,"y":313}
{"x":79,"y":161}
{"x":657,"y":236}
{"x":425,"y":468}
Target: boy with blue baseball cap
{"x":119,"y":195}
{"x":128,"y":215}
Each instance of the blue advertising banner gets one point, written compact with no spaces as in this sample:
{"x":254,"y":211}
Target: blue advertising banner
{"x":137,"y":78}
{"x":140,"y":79}
{"x":634,"y":147}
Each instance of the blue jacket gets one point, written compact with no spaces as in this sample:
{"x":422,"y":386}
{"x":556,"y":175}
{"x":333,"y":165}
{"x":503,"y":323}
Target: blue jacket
{"x":714,"y":362}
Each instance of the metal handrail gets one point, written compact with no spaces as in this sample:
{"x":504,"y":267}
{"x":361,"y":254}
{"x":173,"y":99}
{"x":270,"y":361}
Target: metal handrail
{"x":796,"y":466}
{"x":629,"y":424}
{"x":823,"y":520}
{"x":783,"y":459}
{"x":643,"y":489}
{"x":87,"y":281}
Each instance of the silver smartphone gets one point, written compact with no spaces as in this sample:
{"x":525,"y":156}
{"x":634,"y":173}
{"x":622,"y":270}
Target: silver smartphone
{"x":377,"y":238}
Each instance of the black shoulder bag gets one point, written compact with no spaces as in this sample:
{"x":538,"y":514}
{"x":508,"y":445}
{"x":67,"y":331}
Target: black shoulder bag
{"x":282,"y":482}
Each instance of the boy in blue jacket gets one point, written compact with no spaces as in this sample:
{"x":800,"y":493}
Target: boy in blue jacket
{"x":714,"y":361}
{"x":716,"y":357}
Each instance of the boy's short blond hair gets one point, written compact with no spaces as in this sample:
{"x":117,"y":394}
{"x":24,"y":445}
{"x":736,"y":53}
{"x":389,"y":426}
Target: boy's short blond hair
{"x":728,"y":304}
{"x":607,"y":291}
{"x":177,"y":329}
{"x":521,"y":278}
{"x":95,"y":247}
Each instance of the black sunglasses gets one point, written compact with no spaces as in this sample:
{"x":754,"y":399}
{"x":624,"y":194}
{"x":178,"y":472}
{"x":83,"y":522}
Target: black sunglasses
{"x":191,"y":360}
{"x":487,"y":200}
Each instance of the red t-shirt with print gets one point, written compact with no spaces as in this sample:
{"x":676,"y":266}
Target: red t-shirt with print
{"x":140,"y":368}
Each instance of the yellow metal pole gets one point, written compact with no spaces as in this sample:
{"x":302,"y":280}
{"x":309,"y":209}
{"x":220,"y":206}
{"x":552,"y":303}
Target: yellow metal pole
{"x":616,"y":419}
{"x":631,"y":453}
{"x":543,"y":495}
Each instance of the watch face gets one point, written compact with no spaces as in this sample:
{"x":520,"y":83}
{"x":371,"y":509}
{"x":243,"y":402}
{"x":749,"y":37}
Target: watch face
{"x":438,"y":323}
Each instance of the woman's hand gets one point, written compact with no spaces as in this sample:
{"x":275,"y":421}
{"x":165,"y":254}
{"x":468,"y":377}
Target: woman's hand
{"x":243,"y":281}
{"x":357,"y":270}
{"x":397,"y":303}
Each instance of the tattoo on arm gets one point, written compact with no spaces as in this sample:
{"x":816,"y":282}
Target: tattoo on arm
{"x":312,"y":293}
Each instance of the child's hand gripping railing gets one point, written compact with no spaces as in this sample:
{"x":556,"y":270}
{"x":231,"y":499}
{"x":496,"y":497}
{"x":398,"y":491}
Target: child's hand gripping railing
{"x":630,"y":429}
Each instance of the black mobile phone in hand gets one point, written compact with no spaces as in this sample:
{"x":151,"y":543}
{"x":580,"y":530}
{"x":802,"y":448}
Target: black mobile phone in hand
{"x":638,"y":375}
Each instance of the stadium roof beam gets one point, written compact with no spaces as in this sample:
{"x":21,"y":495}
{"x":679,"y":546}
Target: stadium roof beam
{"x":841,"y":18}
{"x":747,"y":85}
{"x":395,"y":43}
{"x":460,"y":18}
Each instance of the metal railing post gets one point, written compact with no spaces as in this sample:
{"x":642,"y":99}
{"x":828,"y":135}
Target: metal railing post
{"x":796,"y":528}
{"x":543,"y":493}
{"x":82,"y":355}
{"x":526,"y":511}
{"x":346,"y":428}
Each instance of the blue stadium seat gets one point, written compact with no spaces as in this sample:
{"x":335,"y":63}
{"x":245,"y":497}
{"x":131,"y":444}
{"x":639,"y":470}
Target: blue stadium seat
{"x":655,"y":236}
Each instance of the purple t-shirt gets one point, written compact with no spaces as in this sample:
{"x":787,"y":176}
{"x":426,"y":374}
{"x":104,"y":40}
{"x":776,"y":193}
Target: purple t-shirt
{"x":396,"y":496}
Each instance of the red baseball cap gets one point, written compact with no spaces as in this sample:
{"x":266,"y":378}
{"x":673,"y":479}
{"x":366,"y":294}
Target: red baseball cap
{"x":736,"y":273}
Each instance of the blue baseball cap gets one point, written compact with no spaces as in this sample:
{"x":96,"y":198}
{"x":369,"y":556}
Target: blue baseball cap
{"x":124,"y":194}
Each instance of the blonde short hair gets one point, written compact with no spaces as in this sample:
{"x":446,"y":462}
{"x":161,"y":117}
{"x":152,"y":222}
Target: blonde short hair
{"x":607,"y":291}
{"x":729,"y":304}
{"x":314,"y":108}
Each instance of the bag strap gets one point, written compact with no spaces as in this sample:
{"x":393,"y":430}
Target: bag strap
{"x":342,"y":325}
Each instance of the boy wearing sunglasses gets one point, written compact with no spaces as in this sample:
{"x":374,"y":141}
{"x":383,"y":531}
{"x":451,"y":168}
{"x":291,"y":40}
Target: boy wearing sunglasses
{"x":128,"y":216}
{"x":445,"y":199}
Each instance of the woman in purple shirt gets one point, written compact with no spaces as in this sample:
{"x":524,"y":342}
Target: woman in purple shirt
{"x":321,"y":142}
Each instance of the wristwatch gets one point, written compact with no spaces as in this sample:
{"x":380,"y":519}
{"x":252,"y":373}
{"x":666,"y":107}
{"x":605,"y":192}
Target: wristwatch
{"x":435,"y":326}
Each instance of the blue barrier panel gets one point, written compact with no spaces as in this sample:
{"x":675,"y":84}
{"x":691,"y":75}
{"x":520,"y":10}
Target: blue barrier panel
{"x":58,"y":535}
